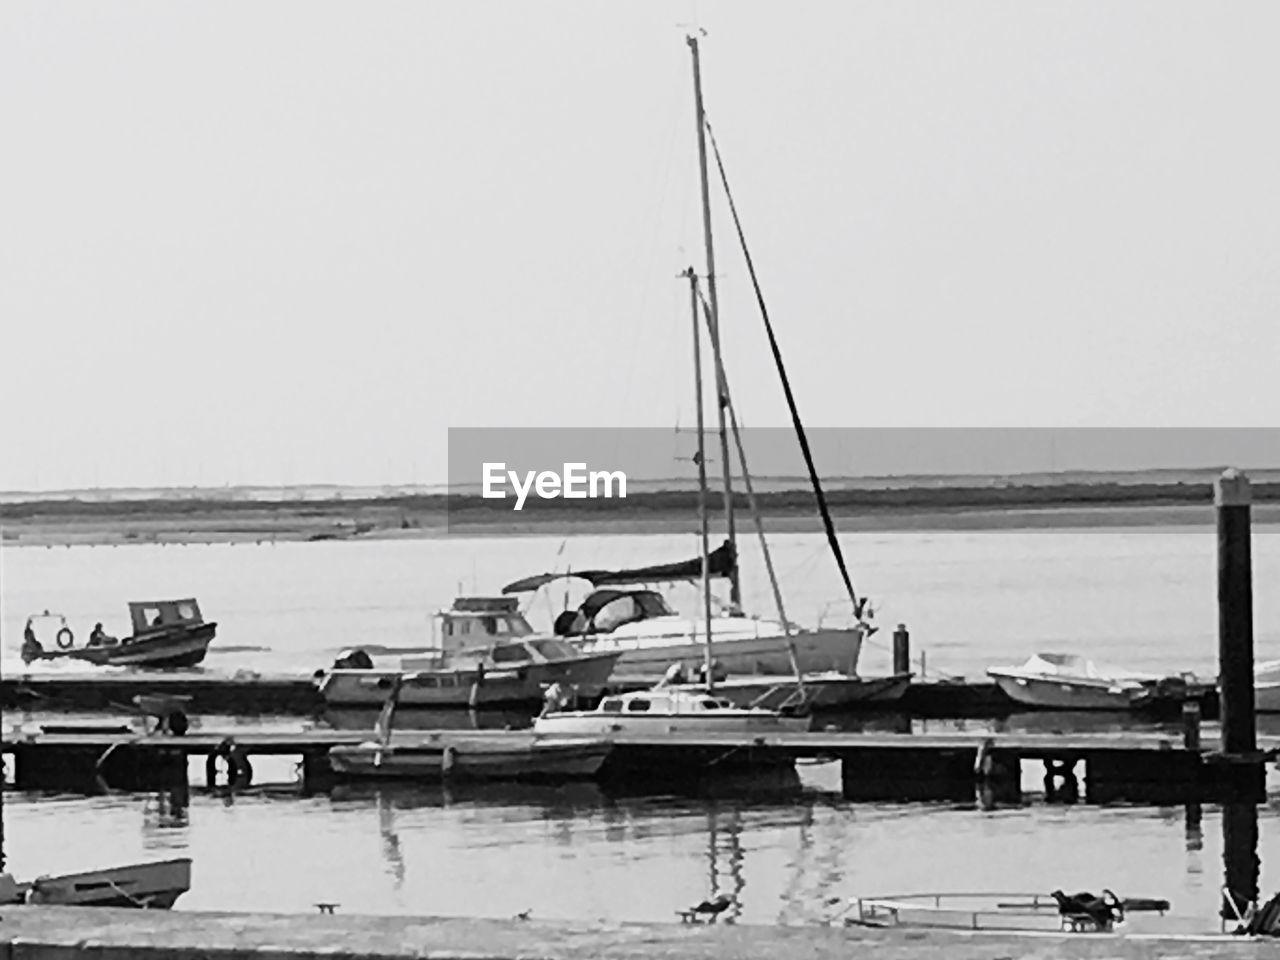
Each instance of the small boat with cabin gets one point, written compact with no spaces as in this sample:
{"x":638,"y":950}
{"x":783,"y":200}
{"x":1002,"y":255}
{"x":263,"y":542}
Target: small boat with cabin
{"x":486,"y":654}
{"x":166,"y":634}
{"x":436,"y":756}
{"x":666,"y":710}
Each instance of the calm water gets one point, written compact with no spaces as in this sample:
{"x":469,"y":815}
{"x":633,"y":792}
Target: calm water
{"x":1140,"y":598}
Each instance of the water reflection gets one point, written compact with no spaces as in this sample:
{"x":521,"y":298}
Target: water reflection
{"x":390,"y":840}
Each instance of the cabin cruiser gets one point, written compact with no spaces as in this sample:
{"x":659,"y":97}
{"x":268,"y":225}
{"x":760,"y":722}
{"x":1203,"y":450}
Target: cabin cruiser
{"x":487,"y":655}
{"x":665,"y":710}
{"x":641,"y":626}
{"x":1064,"y":681}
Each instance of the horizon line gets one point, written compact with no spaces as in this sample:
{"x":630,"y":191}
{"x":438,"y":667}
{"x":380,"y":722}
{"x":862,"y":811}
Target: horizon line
{"x":379,"y":490}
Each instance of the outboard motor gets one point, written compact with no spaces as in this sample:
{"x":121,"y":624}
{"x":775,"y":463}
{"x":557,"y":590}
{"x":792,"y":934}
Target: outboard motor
{"x":356,"y":659}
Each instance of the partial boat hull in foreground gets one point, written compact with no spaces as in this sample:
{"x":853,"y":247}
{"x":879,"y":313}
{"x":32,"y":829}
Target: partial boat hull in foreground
{"x":155,"y":886}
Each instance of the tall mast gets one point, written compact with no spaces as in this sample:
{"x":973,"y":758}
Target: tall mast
{"x":735,"y":591}
{"x":702,"y":476}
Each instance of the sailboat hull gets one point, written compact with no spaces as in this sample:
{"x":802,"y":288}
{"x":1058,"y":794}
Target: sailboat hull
{"x":748,"y":652}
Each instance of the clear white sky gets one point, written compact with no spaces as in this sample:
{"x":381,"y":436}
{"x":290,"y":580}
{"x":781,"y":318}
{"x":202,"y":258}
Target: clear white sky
{"x":296,"y":241}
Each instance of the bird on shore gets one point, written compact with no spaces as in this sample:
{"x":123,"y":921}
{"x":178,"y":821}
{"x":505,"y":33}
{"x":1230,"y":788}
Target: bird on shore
{"x":713,"y":908}
{"x":524,"y":914}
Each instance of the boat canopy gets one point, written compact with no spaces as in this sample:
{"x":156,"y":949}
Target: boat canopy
{"x":721,"y":562}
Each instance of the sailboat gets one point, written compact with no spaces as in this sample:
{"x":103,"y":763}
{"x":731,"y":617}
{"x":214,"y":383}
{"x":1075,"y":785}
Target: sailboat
{"x":639,"y":624}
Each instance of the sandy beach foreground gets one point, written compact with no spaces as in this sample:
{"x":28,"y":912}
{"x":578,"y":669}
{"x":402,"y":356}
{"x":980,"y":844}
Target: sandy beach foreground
{"x":963,"y":504}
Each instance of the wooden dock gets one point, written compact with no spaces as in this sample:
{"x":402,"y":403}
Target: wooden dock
{"x":61,"y":933}
{"x":252,"y":694}
{"x":1097,"y":768}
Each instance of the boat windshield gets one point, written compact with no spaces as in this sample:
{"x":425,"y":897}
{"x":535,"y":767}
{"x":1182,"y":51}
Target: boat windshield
{"x":554,"y":649}
{"x":510,"y":653}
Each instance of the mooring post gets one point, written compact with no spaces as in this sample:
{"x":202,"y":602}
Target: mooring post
{"x":901,"y":650}
{"x":1191,"y":725}
{"x":1231,"y":498}
{"x":1235,"y":614}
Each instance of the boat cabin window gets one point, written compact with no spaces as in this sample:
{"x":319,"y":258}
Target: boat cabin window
{"x":637,"y":706}
{"x":491,"y":626}
{"x":510,"y":653}
{"x":612,"y":705}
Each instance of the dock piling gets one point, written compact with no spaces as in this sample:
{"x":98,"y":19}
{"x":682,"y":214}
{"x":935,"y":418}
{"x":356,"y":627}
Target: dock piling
{"x":1191,"y":725}
{"x":1232,"y":498}
{"x":901,"y":649}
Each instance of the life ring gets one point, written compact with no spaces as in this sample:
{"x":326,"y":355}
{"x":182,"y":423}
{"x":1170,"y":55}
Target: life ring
{"x":228,"y":754}
{"x":65,"y":638}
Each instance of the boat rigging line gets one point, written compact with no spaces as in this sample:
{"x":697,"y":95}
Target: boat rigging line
{"x":827,"y":523}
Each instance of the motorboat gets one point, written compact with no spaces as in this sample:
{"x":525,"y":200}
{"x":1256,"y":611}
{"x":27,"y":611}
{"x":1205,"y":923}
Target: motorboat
{"x":166,"y":633}
{"x":641,"y":626}
{"x":1065,"y":681}
{"x":666,"y":710}
{"x":154,"y":886}
{"x":439,"y":755}
{"x":487,"y":655}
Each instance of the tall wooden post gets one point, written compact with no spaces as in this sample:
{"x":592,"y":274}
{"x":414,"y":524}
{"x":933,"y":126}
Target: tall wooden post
{"x":1231,"y":497}
{"x":901,"y":650}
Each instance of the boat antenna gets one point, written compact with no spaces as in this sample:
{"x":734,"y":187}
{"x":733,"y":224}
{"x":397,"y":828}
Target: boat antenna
{"x":702,"y":475}
{"x":735,"y":588}
{"x":827,"y":522}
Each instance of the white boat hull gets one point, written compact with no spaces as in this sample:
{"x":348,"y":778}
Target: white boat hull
{"x":739,"y":645}
{"x":595,"y":723}
{"x":526,"y":685}
{"x":1065,"y":694}
{"x":824,"y":691}
{"x":509,"y":758}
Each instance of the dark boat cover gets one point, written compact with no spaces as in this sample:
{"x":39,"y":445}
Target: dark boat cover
{"x":720,"y":561}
